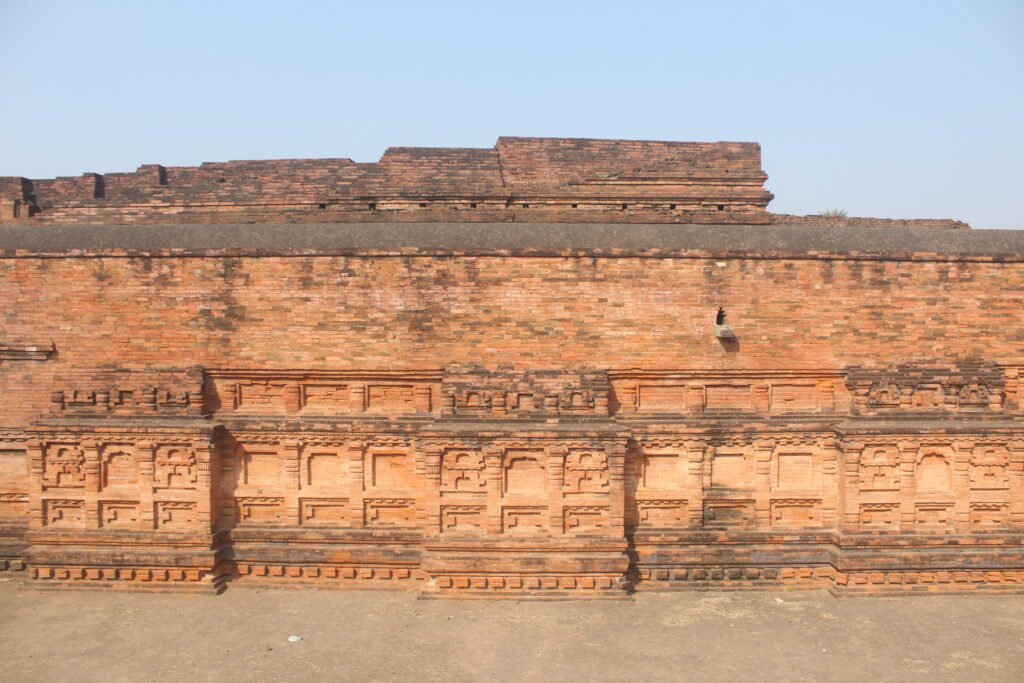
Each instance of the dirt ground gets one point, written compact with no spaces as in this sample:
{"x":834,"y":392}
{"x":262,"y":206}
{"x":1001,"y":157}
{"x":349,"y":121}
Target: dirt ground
{"x":388,"y":636}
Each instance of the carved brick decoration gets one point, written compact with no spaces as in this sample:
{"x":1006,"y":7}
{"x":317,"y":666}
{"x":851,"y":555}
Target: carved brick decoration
{"x":118,"y":466}
{"x":463,"y":518}
{"x":389,"y":512}
{"x":796,"y":513}
{"x":119,"y":514}
{"x":585,"y":519}
{"x":523,"y":519}
{"x":971,"y":387}
{"x":175,"y":514}
{"x":990,"y":468}
{"x":525,"y":474}
{"x":324,"y":511}
{"x":662,"y":513}
{"x":260,"y":510}
{"x":514,"y":383}
{"x":59,"y":512}
{"x":175,"y":467}
{"x":880,"y":469}
{"x":463,"y":470}
{"x":63,"y":467}
{"x":728,"y":513}
{"x":586,"y":472}
{"x":880,"y":516}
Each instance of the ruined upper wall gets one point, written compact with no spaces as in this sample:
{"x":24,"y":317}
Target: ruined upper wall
{"x":520,"y":179}
{"x":820,"y":221}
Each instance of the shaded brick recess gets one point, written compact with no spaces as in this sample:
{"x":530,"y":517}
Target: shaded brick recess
{"x":502,"y":410}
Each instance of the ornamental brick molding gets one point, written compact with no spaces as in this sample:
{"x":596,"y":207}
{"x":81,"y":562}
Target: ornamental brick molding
{"x":501,"y":372}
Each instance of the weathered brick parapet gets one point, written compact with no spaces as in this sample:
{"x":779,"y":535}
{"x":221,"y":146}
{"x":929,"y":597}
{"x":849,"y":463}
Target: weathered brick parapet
{"x":519,"y":179}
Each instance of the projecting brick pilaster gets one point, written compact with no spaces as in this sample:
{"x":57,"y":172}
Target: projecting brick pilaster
{"x":356,"y":482}
{"x":146,"y":451}
{"x":616,"y":453}
{"x":556,"y":480}
{"x":762,"y":482}
{"x":493,"y":457}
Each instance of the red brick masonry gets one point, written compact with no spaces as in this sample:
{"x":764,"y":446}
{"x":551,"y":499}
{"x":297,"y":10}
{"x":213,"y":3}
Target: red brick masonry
{"x":489,"y":408}
{"x":531,"y":180}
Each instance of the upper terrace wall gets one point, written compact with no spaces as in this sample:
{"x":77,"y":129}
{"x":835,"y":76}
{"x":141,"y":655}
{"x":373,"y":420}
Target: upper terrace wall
{"x":520,"y":179}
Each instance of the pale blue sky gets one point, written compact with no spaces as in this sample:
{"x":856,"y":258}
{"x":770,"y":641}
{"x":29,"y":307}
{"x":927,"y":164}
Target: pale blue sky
{"x":893,"y":109}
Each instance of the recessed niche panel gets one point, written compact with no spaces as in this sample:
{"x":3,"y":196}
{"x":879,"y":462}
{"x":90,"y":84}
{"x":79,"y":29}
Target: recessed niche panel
{"x":525,"y":473}
{"x":390,"y":470}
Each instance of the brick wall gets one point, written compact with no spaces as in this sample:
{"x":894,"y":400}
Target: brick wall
{"x":417,"y":312}
{"x":735,"y":400}
{"x":520,"y":179}
{"x":375,"y":407}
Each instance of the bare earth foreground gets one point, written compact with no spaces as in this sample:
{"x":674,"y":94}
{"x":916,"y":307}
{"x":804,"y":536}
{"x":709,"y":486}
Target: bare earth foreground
{"x":243,"y":635}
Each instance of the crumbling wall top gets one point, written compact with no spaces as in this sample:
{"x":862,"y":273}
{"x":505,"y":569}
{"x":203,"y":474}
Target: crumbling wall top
{"x":519,"y":179}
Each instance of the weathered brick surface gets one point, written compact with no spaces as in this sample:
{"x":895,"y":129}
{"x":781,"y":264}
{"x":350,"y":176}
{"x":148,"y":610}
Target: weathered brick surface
{"x":498,"y":413}
{"x":520,"y":179}
{"x":889,"y":223}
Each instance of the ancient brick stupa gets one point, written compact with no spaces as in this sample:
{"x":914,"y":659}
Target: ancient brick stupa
{"x":551,"y":368}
